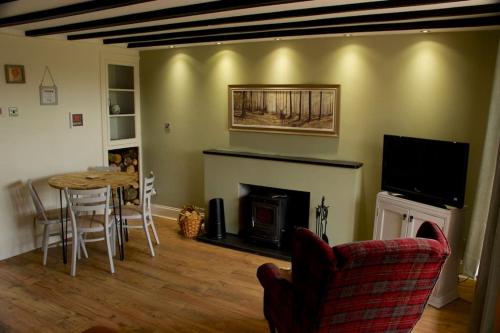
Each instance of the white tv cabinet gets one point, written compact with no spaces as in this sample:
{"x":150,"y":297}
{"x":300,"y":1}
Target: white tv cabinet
{"x":396,"y":217}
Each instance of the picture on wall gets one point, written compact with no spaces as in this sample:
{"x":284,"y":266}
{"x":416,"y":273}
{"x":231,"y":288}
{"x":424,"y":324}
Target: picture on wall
{"x":14,"y":74}
{"x":291,"y":109}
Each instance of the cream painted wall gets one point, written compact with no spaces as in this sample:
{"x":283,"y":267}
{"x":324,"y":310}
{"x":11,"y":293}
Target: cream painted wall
{"x":39,"y":143}
{"x":434,"y":85}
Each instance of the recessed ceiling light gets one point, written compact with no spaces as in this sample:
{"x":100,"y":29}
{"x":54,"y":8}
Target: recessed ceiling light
{"x":277,"y":39}
{"x":219,"y":43}
{"x":172,"y":46}
{"x":347,"y":35}
{"x":424,"y":31}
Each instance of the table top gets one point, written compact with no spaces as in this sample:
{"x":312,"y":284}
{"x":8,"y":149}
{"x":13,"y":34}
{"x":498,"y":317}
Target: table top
{"x":92,"y":179}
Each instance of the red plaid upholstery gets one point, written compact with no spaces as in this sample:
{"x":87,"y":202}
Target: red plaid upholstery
{"x":370,"y":286}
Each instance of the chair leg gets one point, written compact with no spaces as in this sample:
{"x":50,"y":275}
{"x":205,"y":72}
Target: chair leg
{"x":45,"y":243}
{"x":84,"y":248}
{"x":154,"y":229}
{"x":74,"y":251}
{"x":146,"y":231}
{"x":108,"y":246}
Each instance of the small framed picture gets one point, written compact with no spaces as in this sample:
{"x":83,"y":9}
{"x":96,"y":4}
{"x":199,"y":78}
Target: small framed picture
{"x":76,"y":119}
{"x":14,"y":74}
{"x":48,"y":95}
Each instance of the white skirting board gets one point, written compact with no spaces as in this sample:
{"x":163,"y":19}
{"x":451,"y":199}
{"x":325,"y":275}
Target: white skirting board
{"x":171,"y":213}
{"x":167,"y":212}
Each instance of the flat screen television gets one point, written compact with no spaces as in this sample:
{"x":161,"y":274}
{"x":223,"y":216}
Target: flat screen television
{"x":428,"y":171}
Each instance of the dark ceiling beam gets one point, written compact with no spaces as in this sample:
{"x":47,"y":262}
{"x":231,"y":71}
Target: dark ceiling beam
{"x":162,"y":14}
{"x":64,"y":11}
{"x":378,"y":27}
{"x":410,"y":15}
{"x":260,"y":17}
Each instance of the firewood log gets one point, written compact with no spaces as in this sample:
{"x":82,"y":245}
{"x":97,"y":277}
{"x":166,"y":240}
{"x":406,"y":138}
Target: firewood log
{"x":131,"y":194}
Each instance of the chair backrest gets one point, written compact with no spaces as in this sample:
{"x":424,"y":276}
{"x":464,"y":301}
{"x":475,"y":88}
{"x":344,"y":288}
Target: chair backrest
{"x":40,"y":209}
{"x":368,"y":286}
{"x":88,"y":201}
{"x":147,"y":192}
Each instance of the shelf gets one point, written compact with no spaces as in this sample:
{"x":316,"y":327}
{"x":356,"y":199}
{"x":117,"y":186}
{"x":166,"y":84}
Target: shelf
{"x":121,"y":90}
{"x":122,"y":115}
{"x":121,"y":94}
{"x":122,"y":128}
{"x":284,"y":158}
{"x":120,"y":77}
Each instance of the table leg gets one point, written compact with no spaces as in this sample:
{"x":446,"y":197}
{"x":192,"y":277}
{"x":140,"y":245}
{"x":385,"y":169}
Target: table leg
{"x":117,"y":220}
{"x":63,"y":235}
{"x":66,"y":231}
{"x":125,"y":221}
{"x":122,"y":248}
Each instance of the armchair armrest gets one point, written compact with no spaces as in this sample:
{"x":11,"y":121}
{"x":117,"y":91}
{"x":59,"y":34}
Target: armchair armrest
{"x":430,"y":230}
{"x":270,"y":276}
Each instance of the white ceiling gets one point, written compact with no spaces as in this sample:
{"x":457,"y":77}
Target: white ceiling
{"x":14,"y":8}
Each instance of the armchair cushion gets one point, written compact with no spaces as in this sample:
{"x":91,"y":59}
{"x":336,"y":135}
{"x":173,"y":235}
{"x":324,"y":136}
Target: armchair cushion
{"x":279,"y":291}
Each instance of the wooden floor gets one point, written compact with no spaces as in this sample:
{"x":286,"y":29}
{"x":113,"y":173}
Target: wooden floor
{"x":188,"y":287}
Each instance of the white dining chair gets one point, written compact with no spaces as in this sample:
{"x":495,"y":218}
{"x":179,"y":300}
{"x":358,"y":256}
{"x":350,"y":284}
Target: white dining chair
{"x":49,"y":219}
{"x":143,"y":213}
{"x":90,"y":213}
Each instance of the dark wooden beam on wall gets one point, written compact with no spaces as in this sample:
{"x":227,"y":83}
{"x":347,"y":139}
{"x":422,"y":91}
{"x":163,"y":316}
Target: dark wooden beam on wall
{"x":408,"y":15}
{"x":64,"y":11}
{"x":328,"y":10}
{"x":161,"y":14}
{"x":378,"y":27}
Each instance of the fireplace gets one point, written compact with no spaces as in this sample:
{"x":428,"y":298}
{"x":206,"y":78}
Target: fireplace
{"x":234,"y":175}
{"x":267,"y":218}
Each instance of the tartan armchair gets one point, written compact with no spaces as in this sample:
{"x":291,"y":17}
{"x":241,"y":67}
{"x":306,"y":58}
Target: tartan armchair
{"x":369,"y":286}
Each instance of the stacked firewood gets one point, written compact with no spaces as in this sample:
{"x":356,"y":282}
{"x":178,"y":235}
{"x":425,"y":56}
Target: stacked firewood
{"x":127,"y":160}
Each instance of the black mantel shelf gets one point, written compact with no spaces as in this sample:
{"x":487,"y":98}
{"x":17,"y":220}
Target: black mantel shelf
{"x":282,"y":158}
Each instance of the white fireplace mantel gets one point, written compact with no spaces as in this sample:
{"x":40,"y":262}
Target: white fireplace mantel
{"x":338,"y":181}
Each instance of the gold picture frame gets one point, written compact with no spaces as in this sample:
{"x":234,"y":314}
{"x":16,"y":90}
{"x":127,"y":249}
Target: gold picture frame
{"x":14,"y":74}
{"x":288,"y":109}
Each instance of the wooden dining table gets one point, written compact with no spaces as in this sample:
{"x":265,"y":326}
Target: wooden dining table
{"x":88,"y":180}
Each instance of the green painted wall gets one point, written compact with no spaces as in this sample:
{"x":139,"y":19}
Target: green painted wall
{"x":434,"y":85}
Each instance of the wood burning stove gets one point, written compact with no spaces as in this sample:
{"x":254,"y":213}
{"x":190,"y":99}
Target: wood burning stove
{"x":268,"y":218}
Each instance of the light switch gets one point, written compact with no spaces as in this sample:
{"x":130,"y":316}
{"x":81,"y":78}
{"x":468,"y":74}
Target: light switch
{"x":13,"y":112}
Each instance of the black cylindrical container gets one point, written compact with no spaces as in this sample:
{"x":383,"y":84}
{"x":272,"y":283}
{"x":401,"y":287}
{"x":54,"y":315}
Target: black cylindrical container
{"x":216,"y":226}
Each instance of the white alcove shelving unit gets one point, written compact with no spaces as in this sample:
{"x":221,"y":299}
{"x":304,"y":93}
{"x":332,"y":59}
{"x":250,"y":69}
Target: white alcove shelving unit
{"x":120,"y":106}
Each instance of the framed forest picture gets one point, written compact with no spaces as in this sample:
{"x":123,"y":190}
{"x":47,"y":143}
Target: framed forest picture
{"x":290,"y":109}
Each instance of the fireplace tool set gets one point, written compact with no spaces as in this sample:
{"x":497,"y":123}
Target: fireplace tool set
{"x":321,"y":220}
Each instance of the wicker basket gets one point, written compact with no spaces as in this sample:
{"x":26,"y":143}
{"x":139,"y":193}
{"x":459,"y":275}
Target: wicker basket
{"x":190,"y":222}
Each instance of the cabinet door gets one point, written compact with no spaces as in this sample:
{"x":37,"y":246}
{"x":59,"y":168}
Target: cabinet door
{"x":391,"y":221}
{"x":417,"y":218}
